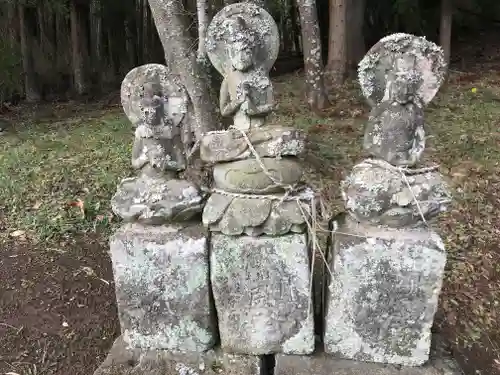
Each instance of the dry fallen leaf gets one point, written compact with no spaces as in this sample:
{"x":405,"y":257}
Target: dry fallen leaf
{"x":17,"y":233}
{"x":80,"y":204}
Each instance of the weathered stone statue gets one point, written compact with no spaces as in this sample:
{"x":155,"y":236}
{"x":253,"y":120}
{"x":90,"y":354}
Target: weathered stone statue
{"x":158,"y":106}
{"x":244,"y":55}
{"x":387,"y":264}
{"x":395,"y":129}
{"x":258,"y":208}
{"x":160,"y":256}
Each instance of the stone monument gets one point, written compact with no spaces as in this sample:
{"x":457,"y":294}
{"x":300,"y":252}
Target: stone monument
{"x":387,"y":263}
{"x":193,"y":271}
{"x":160,"y":254}
{"x":258,"y":210}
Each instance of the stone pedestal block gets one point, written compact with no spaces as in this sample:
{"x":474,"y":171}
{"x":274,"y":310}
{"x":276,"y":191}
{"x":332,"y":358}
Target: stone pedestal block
{"x":162,"y":287}
{"x":262,"y":293}
{"x":324,"y":364}
{"x":122,"y":360}
{"x":383,"y":293}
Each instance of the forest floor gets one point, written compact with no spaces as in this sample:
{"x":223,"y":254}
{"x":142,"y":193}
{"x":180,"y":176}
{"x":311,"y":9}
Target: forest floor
{"x":60,"y":164}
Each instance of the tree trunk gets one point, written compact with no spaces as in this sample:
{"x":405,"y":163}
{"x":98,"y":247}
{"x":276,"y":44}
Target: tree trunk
{"x":445,"y":28}
{"x":355,"y":43}
{"x":96,"y":55}
{"x":180,"y":57}
{"x":26,"y":36}
{"x":295,"y":28}
{"x":13,"y":25}
{"x":313,"y":62}
{"x":78,"y":38}
{"x":337,"y":56}
{"x":202,"y":10}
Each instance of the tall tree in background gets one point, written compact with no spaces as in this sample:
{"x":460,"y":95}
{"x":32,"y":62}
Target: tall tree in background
{"x":355,"y":39}
{"x":337,"y":42}
{"x":445,"y":28}
{"x":181,"y":59}
{"x":316,"y":96}
{"x":26,"y":36}
{"x":79,"y":13}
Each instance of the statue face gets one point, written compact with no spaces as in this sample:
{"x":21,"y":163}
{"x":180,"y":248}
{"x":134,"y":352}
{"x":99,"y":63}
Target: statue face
{"x":241,"y":56}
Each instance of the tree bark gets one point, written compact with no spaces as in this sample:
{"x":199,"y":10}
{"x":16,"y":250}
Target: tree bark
{"x":355,"y":40}
{"x":78,"y":41}
{"x":31,"y":91}
{"x":294,"y":17}
{"x":316,"y":96}
{"x":445,"y":28}
{"x":181,"y":59}
{"x":337,"y":56}
{"x":202,"y":10}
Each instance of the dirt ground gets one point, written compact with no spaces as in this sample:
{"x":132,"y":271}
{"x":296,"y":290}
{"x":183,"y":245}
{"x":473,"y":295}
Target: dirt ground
{"x":57,"y":315}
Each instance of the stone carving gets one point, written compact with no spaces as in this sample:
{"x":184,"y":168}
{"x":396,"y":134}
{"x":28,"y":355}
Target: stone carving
{"x":380,"y":194}
{"x":398,"y":76}
{"x":387,"y":264}
{"x":268,"y":141}
{"x":158,"y":105}
{"x":243,"y":44}
{"x":258,"y":207}
{"x":160,"y":258}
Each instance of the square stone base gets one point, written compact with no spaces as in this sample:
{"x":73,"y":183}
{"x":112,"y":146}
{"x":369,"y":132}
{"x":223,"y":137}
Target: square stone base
{"x":323,"y":364}
{"x":262,"y":293}
{"x":162,"y":287}
{"x":383,"y":293}
{"x":122,"y":360}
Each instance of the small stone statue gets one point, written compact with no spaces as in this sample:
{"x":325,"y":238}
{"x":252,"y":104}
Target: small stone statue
{"x":246,"y":91}
{"x":242,"y":45}
{"x":158,"y":147}
{"x":395,"y":129}
{"x":158,"y":105}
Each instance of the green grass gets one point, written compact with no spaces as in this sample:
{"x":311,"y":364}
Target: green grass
{"x":45,"y":170}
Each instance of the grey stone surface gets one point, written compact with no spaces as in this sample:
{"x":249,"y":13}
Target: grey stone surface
{"x":168,"y":88}
{"x":122,"y":360}
{"x":268,"y":141}
{"x":399,"y":76}
{"x":156,"y":200}
{"x":262,"y":294}
{"x":159,"y":106}
{"x":397,"y":53}
{"x":234,"y":215}
{"x":395,"y":130}
{"x":383,"y":293}
{"x":377,"y":193}
{"x":243,"y":44}
{"x":248,"y":176}
{"x":323,"y":364}
{"x":162,"y":287}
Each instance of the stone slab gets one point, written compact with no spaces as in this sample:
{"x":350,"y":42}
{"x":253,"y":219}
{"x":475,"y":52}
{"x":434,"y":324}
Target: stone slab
{"x":262,"y":293}
{"x":162,"y":286}
{"x":122,"y":360}
{"x":383,"y":293}
{"x":323,"y":364}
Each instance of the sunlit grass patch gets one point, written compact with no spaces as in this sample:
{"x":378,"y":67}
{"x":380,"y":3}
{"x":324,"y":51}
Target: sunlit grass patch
{"x":44,"y":170}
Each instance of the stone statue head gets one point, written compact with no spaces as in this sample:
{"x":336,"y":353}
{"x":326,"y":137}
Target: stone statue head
{"x":419,"y":62}
{"x":151,"y":95}
{"x":242,"y":36}
{"x":241,"y":41}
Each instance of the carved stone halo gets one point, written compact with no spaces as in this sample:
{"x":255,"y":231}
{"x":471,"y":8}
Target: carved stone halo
{"x":261,"y":24}
{"x":169,"y":89}
{"x":399,"y":53}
